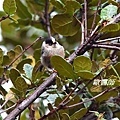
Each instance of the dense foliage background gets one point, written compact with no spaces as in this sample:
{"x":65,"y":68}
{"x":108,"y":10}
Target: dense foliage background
{"x":86,"y":85}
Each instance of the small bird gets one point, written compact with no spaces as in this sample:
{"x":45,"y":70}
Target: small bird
{"x":49,"y":48}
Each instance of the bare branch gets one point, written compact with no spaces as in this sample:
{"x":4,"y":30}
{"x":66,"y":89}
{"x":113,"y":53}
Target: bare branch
{"x":117,"y":39}
{"x":25,"y":103}
{"x":105,"y":46}
{"x":82,"y":29}
{"x":100,"y":94}
{"x":116,"y":19}
{"x":85,"y":15}
{"x":32,"y":112}
{"x":47,"y":17}
{"x":8,"y":66}
{"x":3,"y":18}
{"x":95,"y":15}
{"x":8,"y":108}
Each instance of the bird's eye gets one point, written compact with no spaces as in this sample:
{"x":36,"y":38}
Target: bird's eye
{"x":54,"y":42}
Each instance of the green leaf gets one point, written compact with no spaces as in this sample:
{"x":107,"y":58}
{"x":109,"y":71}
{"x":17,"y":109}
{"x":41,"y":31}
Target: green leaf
{"x":28,"y":70}
{"x":72,"y":6}
{"x":86,"y":104}
{"x":36,"y":74}
{"x":36,"y":54}
{"x":9,"y":6}
{"x":65,"y":116}
{"x":1,"y":117}
{"x":11,"y":55}
{"x":108,"y":12}
{"x":59,"y":83}
{"x":65,"y":25}
{"x":82,"y":63}
{"x":58,"y":4}
{"x":22,"y":10}
{"x":111,"y":28}
{"x":1,"y":71}
{"x":1,"y":56}
{"x":85,"y":74}
{"x":6,"y":60}
{"x":63,"y":68}
{"x":14,"y":74}
{"x":21,"y":64}
{"x":2,"y":14}
{"x":17,"y":92}
{"x":79,"y":114}
{"x":107,"y":95}
{"x":3,"y":91}
{"x":18,"y":49}
{"x":35,"y":8}
{"x":20,"y":84}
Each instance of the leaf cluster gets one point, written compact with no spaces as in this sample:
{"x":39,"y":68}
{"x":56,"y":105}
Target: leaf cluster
{"x":80,"y":82}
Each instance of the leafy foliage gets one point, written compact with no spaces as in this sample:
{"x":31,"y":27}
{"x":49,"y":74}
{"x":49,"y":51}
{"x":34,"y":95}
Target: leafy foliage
{"x":9,"y":6}
{"x":87,"y":85}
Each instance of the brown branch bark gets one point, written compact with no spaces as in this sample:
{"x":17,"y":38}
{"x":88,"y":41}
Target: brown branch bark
{"x":95,"y":15}
{"x":24,"y":104}
{"x":100,"y":94}
{"x":106,"y":46}
{"x":3,"y":18}
{"x":85,"y":16}
{"x":47,"y":17}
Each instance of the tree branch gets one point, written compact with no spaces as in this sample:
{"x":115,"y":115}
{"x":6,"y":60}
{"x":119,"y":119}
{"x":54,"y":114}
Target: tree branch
{"x":100,"y":94}
{"x":47,"y":17}
{"x":8,"y":66}
{"x":3,"y":18}
{"x":25,"y":103}
{"x":117,"y":39}
{"x":85,"y":18}
{"x":95,"y":15}
{"x":105,"y":46}
{"x":82,"y":29}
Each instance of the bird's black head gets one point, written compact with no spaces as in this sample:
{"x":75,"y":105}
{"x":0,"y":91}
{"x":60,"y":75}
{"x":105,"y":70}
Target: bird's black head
{"x":50,"y":41}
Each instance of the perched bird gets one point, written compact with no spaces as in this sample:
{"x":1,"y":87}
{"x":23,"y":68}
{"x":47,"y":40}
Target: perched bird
{"x":49,"y":48}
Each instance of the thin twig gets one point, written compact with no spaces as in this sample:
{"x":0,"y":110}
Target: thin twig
{"x":8,"y":66}
{"x":111,"y":44}
{"x":90,"y":81}
{"x":95,"y":15}
{"x":8,"y":108}
{"x":85,"y":14}
{"x":109,"y":40}
{"x":4,"y":104}
{"x":105,"y":46}
{"x":76,"y":86}
{"x":3,"y":18}
{"x":32,"y":112}
{"x":116,"y":19}
{"x":100,"y":94}
{"x":82,"y":29}
{"x":47,"y":17}
{"x":71,"y":106}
